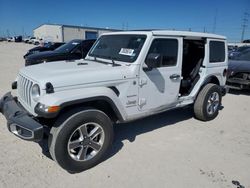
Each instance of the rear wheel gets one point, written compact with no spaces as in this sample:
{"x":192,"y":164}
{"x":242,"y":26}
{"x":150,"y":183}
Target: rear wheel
{"x":208,"y":102}
{"x":82,"y":140}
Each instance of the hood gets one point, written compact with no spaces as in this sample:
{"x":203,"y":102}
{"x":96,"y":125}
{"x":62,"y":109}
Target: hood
{"x":239,"y":66}
{"x":63,"y":74}
{"x":41,"y":55}
{"x":38,"y":48}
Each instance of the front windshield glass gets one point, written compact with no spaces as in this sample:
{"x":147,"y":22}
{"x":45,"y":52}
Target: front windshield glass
{"x":118,"y":47}
{"x":68,"y":47}
{"x":244,"y":56}
{"x":242,"y":48}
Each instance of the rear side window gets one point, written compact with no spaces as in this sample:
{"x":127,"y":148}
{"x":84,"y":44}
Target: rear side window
{"x":217,"y":51}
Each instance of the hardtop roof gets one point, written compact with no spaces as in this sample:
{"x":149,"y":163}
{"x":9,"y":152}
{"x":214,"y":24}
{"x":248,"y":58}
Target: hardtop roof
{"x":187,"y":34}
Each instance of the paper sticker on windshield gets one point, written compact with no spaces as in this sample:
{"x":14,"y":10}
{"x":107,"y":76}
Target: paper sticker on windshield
{"x":126,"y":51}
{"x":75,"y":43}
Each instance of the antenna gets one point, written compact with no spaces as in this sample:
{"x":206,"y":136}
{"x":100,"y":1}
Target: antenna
{"x":244,"y":24}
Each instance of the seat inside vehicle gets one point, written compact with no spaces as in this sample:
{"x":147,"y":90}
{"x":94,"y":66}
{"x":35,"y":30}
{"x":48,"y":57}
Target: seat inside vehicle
{"x":193,"y":56}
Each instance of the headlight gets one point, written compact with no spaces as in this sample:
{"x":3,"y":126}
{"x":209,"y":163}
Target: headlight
{"x":35,"y":92}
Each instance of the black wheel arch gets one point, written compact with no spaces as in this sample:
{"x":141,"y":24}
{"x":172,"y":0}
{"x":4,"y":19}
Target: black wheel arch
{"x":212,"y":79}
{"x":102,"y":103}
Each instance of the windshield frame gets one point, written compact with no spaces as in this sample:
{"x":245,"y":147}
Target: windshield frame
{"x":144,"y":36}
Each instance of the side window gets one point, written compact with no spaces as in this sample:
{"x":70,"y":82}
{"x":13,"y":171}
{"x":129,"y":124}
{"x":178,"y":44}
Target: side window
{"x":216,"y":51}
{"x":167,"y":49}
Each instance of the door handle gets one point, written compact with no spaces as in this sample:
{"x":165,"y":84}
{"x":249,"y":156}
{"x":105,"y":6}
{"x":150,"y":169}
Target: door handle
{"x":174,"y":76}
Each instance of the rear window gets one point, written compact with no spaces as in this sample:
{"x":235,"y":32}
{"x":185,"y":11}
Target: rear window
{"x":217,"y":51}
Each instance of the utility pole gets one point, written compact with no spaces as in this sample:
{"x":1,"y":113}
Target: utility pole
{"x":244,"y":24}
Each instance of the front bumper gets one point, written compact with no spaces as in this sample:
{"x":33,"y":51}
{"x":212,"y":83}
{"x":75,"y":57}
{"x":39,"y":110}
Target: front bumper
{"x":237,"y":83}
{"x":19,"y":122}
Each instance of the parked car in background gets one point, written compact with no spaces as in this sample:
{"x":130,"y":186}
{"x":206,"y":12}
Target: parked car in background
{"x":31,"y":40}
{"x":27,"y":39}
{"x":37,"y":41}
{"x":11,"y":39}
{"x":18,"y":38}
{"x":2,"y":39}
{"x":239,"y":71}
{"x":50,"y":46}
{"x":75,"y":49}
{"x":246,"y":41}
{"x":237,"y":51}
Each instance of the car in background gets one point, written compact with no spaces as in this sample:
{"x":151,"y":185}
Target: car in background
{"x":36,"y":41}
{"x":18,"y":38}
{"x":27,"y":39}
{"x":31,"y":40}
{"x":11,"y":39}
{"x":2,"y":39}
{"x":246,"y":41}
{"x":239,"y":71}
{"x":237,"y":51}
{"x":50,"y":46}
{"x":75,"y":49}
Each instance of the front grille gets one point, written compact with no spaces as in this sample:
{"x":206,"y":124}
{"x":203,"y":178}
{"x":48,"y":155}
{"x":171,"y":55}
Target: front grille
{"x":24,"y":86}
{"x":241,"y":75}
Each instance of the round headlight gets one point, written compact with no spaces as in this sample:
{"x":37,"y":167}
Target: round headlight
{"x":35,"y":92}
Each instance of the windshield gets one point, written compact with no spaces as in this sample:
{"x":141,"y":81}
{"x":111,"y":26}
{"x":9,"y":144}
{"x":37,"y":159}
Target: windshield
{"x":242,"y":48}
{"x":244,"y":56}
{"x":118,"y":47}
{"x":68,"y":47}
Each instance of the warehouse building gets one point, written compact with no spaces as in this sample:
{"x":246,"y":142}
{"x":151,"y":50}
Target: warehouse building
{"x":65,"y":33}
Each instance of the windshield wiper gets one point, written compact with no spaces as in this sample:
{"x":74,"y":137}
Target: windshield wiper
{"x":109,"y":57}
{"x":97,"y":60}
{"x":113,"y":62}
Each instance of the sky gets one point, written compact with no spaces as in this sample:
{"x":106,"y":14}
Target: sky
{"x":225,"y":17}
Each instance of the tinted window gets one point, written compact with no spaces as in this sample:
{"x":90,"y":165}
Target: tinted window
{"x":68,"y":47}
{"x":86,"y":45}
{"x":167,"y":48}
{"x":217,"y":51}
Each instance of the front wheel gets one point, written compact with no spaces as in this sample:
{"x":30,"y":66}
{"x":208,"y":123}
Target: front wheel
{"x":81,"y":140}
{"x":208,"y":102}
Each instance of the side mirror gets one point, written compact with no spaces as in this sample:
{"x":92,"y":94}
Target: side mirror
{"x":153,"y":60}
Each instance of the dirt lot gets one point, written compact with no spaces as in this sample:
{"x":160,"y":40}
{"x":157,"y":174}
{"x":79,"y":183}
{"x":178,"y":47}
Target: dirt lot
{"x":168,"y":150}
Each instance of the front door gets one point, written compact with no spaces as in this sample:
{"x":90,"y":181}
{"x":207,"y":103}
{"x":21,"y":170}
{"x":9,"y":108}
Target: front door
{"x":159,"y":87}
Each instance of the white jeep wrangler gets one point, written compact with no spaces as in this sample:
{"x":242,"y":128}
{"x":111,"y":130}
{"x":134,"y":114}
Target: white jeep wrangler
{"x":125,"y":76}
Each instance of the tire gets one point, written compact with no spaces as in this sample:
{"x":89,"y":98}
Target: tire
{"x":68,"y":130}
{"x":208,"y":102}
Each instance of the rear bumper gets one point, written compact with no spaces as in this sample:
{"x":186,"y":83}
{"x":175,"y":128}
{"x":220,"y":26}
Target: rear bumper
{"x":19,"y":122}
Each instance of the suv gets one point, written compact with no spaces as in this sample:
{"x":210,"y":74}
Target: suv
{"x":125,"y":76}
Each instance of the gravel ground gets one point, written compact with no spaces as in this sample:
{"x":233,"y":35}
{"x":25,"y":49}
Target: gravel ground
{"x":168,"y":150}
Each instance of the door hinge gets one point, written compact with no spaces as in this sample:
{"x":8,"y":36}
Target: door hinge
{"x":143,"y":82}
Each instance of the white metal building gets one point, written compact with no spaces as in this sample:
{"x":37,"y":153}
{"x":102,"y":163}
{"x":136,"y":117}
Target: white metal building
{"x":65,"y":33}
